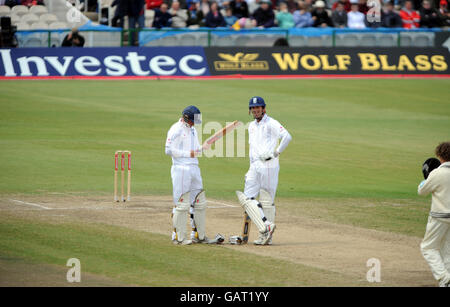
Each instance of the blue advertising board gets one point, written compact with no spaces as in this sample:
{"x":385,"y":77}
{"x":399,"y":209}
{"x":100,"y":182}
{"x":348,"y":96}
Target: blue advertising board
{"x":103,"y":62}
{"x":229,"y":62}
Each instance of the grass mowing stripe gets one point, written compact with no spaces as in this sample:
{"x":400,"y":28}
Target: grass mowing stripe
{"x":142,"y":258}
{"x":354,"y":125}
{"x":402,"y":216}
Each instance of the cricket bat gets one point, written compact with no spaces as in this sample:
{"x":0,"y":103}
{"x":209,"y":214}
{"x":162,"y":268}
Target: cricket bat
{"x":212,"y":139}
{"x":246,"y":228}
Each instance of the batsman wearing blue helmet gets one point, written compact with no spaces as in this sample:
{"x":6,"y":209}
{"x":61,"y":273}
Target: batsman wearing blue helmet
{"x":267,"y":140}
{"x":188,"y":194}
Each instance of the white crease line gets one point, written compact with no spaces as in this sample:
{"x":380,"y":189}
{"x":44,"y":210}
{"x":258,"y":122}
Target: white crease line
{"x":30,"y":204}
{"x":223,"y":204}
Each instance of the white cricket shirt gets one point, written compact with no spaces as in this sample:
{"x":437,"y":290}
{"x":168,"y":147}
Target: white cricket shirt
{"x":438,"y":184}
{"x":181,"y":139}
{"x":263,"y":137}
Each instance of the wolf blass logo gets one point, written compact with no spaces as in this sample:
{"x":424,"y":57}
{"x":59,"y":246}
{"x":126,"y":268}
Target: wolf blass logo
{"x":240,"y":61}
{"x":330,"y":62}
{"x":238,"y":296}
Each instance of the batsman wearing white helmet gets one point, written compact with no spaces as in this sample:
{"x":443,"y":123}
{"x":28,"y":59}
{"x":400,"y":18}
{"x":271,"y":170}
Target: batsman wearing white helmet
{"x":267,"y":140}
{"x":188,"y":194}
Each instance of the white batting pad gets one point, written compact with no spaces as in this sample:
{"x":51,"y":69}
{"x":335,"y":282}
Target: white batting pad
{"x":251,"y":207}
{"x":264,"y":198}
{"x":267,"y":203}
{"x":200,"y":214}
{"x":179,"y":218}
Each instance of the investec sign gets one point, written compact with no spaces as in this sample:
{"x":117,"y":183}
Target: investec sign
{"x":108,"y":62}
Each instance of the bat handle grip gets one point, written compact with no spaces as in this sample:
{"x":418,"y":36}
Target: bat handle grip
{"x":196,"y":153}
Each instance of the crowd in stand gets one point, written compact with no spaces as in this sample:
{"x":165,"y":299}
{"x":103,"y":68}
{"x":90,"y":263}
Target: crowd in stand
{"x":28,"y":3}
{"x":238,"y":14}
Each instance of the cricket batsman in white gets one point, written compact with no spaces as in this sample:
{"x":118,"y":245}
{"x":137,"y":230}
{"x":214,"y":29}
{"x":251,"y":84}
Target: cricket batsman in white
{"x":435,"y":245}
{"x":188,"y":194}
{"x":262,"y":177}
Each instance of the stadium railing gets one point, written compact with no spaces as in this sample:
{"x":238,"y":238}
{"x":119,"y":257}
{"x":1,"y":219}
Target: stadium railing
{"x":104,"y":36}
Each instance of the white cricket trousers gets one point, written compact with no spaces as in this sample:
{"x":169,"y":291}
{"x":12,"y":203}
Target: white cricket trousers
{"x":435,"y":247}
{"x":186,"y":178}
{"x":262,"y":175}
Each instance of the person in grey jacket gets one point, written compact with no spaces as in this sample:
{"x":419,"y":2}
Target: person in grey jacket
{"x":179,"y":16}
{"x":339,"y":16}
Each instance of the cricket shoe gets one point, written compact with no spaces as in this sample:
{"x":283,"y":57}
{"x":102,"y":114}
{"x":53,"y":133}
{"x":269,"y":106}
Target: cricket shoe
{"x":184,"y":242}
{"x":266,"y":237}
{"x":198,"y":241}
{"x":445,"y":282}
{"x":260,"y":240}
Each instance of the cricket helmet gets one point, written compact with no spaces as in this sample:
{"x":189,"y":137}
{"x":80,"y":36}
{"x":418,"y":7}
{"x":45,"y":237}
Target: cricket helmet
{"x":429,"y":165}
{"x":193,"y":114}
{"x":256,"y":101}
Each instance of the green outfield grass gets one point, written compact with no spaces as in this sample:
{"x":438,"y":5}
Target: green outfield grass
{"x":140,"y":258}
{"x":355,"y":158}
{"x":351,"y":138}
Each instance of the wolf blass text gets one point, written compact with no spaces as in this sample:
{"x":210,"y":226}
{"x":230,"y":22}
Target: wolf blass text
{"x":238,"y":296}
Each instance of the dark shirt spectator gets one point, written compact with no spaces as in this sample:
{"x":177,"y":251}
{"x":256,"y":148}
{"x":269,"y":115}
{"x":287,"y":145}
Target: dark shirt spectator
{"x":444,"y":14}
{"x":429,"y":17}
{"x":264,"y":16}
{"x":73,"y":39}
{"x":389,"y":18}
{"x":417,"y":4}
{"x":119,"y":14}
{"x":12,"y":3}
{"x":196,"y":16}
{"x":362,"y":6}
{"x":214,"y":18}
{"x":320,"y":16}
{"x":135,"y":12}
{"x":339,"y":15}
{"x":135,"y":8}
{"x":292,"y":5}
{"x":162,"y":17}
{"x":239,"y":8}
